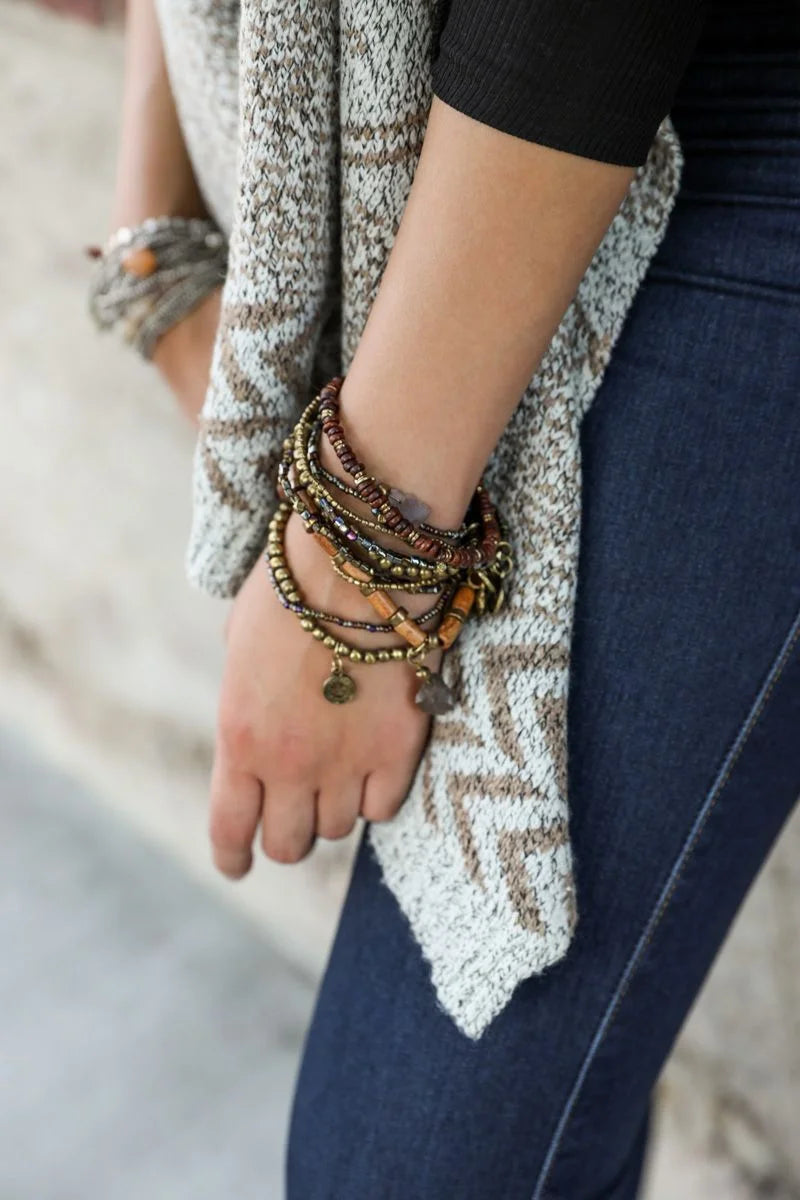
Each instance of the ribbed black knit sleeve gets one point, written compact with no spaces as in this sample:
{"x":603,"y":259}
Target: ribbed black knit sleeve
{"x":592,"y":77}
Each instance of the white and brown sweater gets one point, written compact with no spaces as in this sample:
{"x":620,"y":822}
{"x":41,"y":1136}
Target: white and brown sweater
{"x":305,"y":130}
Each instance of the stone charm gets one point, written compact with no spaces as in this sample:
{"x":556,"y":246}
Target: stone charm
{"x":434,"y":696}
{"x":411,"y":507}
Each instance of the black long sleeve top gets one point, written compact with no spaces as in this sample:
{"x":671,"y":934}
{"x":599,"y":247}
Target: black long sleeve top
{"x":592,"y":77}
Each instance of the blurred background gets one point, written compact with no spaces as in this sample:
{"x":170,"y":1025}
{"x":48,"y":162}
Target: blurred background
{"x":152,"y":1014}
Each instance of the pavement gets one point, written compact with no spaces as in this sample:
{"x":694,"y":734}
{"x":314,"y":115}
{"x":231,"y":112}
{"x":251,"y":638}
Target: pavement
{"x":150,"y":1036}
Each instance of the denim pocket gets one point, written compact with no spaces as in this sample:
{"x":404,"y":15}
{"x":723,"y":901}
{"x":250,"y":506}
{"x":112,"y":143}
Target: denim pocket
{"x":739,"y":243}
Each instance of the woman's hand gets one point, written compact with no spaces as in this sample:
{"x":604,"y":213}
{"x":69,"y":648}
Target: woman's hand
{"x":287,"y":757}
{"x":183,"y":354}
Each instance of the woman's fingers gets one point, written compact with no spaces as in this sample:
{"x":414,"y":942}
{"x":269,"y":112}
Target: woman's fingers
{"x":236,"y":803}
{"x":338,"y":806}
{"x":384,"y":792}
{"x":287,"y":823}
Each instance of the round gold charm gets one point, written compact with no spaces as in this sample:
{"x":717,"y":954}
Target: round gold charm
{"x":338,"y":688}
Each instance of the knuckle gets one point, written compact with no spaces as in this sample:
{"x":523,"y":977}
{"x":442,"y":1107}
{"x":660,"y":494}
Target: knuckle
{"x":236,"y":736}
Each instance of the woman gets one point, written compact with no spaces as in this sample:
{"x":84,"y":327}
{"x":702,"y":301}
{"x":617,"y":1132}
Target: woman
{"x":684,"y":669}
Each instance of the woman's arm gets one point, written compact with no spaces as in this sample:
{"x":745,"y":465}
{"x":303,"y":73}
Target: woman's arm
{"x":493,"y":243}
{"x":154,"y":174}
{"x":495,"y":237}
{"x":155,"y":178}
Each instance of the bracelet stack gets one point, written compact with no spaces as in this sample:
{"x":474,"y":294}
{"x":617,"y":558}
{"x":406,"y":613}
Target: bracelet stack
{"x":462,"y":569}
{"x":147,"y":278}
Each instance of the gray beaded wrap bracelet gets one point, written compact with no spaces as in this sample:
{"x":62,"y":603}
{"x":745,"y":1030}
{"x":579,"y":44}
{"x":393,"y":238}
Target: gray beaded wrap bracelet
{"x":149,"y":276}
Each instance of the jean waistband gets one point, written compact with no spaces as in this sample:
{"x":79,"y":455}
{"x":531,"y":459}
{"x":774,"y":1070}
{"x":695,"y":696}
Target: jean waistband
{"x":737,"y":113}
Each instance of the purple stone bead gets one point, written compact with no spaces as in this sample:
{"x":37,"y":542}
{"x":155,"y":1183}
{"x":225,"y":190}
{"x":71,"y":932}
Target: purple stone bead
{"x":411,"y":507}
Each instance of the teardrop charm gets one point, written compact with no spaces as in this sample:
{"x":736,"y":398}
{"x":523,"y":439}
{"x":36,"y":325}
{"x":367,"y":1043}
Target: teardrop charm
{"x":434,"y":696}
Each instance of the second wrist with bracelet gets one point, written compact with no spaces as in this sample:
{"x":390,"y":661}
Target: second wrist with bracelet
{"x":148,"y":277}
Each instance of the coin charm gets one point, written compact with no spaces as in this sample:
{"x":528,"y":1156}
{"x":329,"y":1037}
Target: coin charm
{"x":339,"y":687}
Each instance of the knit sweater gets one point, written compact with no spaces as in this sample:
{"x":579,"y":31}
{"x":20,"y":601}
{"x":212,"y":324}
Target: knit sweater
{"x":305,"y":137}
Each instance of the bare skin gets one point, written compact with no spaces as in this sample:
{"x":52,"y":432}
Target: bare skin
{"x":155,"y":178}
{"x":495,"y":237}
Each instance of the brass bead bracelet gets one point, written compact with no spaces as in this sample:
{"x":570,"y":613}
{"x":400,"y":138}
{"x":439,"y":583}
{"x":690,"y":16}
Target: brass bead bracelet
{"x":488,"y":581}
{"x":465,"y":566}
{"x":433,"y":696}
{"x":284,"y":584}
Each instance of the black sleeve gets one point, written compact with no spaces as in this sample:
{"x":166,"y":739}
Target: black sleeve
{"x":592,"y":77}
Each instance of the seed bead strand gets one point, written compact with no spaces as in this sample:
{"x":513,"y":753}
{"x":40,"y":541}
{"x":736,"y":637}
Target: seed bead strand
{"x":284,"y":584}
{"x":319,"y":472}
{"x":294,"y":454}
{"x":374,"y":493}
{"x":427,"y":568}
{"x":433,"y":695}
{"x":415,"y":578}
{"x":312,"y":465}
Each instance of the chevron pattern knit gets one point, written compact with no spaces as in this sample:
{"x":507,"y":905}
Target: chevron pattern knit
{"x":333,"y":102}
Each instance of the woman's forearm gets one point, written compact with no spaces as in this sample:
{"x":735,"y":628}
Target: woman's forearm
{"x":155,"y":178}
{"x":493,"y":242}
{"x":154,"y":173}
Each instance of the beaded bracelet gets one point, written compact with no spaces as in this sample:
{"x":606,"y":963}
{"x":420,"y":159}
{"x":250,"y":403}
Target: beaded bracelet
{"x":433,"y":696}
{"x":305,"y":429}
{"x":148,"y":277}
{"x":487,"y":581}
{"x":441,"y":552}
{"x":466,"y":566}
{"x":399,"y":518}
{"x":407,"y":573}
{"x":284,"y":585}
{"x":319,"y":473}
{"x":310,"y":463}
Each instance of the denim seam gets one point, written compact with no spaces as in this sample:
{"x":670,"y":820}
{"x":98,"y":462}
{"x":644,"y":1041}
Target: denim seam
{"x":770,"y":292}
{"x":723,"y":775}
{"x":739,"y":199}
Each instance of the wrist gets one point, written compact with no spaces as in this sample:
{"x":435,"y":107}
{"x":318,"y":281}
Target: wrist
{"x":403,"y":456}
{"x":329,"y":460}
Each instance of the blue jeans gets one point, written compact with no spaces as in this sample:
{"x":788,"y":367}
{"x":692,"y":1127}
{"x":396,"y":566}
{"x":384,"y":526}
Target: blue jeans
{"x":684,"y":723}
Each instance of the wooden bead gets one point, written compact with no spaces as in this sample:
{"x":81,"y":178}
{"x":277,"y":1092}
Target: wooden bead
{"x":411,"y":632}
{"x":140,"y":263}
{"x":327,"y":545}
{"x":463,"y":600}
{"x":356,"y":572}
{"x":383,"y":604}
